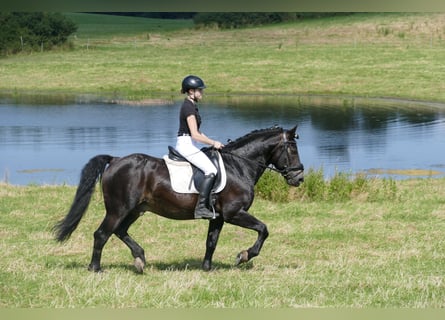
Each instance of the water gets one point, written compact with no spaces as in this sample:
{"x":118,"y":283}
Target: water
{"x":49,"y":144}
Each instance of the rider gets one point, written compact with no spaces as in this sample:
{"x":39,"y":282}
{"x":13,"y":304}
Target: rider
{"x":189,"y":124}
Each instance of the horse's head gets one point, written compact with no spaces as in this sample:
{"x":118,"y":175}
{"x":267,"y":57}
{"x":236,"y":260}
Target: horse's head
{"x":285,"y":158}
{"x":274,"y":146}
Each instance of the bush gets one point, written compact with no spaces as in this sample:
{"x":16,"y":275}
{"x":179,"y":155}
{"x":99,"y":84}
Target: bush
{"x":341,"y":187}
{"x":22,"y":31}
{"x":272,"y":187}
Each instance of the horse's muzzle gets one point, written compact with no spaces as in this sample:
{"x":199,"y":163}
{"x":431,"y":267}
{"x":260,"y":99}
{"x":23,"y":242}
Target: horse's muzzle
{"x":295,"y":178}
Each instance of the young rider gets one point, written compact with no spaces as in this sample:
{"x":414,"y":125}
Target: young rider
{"x":188,"y":134}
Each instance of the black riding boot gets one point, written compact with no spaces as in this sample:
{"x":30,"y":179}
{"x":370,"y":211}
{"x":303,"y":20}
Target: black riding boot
{"x":201,"y":210}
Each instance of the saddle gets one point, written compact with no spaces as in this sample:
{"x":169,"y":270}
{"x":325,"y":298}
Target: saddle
{"x":187,"y":178}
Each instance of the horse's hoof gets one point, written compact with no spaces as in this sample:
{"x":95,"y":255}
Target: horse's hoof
{"x":94,"y":269}
{"x":139,"y":264}
{"x":206,"y":266}
{"x":242,"y":257}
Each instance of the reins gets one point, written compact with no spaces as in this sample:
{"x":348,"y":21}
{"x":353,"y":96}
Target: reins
{"x":259,"y":164}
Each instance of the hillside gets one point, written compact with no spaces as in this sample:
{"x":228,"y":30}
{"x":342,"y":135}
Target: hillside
{"x":368,"y":55}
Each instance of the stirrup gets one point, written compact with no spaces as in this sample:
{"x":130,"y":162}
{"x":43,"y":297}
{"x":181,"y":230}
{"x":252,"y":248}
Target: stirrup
{"x":213,"y":213}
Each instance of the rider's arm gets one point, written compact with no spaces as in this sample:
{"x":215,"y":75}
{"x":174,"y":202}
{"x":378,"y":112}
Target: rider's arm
{"x":198,"y":136}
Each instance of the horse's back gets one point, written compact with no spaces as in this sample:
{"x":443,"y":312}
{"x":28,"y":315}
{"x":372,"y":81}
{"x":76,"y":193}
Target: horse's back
{"x":126,"y":177}
{"x":131,"y":161}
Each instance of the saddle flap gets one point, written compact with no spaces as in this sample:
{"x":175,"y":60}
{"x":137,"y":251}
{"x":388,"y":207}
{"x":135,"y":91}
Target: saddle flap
{"x":198,"y":175}
{"x":186,"y":178}
{"x":174,"y":155}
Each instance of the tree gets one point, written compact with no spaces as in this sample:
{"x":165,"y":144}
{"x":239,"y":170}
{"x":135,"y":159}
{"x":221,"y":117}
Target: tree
{"x":23,"y":31}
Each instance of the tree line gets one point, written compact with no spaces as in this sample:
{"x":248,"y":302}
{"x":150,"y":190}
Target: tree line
{"x":232,"y":20}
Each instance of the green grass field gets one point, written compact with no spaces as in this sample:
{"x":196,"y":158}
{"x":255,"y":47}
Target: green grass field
{"x":367,"y":55}
{"x":385,"y":252}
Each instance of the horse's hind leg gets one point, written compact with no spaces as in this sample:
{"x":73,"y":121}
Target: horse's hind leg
{"x":136,"y":250}
{"x":101,"y":237}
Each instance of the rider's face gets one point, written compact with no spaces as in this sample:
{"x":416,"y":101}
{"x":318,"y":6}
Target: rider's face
{"x":198,"y":93}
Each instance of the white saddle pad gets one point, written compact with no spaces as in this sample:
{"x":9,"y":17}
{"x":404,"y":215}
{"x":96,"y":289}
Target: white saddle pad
{"x":181,"y":175}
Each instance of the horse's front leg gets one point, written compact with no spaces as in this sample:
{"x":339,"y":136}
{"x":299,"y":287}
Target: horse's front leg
{"x":245,"y":220}
{"x":215,"y":227}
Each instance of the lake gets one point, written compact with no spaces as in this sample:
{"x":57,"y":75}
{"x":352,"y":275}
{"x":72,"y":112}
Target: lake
{"x":49,"y":144}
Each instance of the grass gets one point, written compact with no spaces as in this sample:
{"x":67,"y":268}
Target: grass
{"x":386,"y":251}
{"x":367,"y":55}
{"x":111,"y":28}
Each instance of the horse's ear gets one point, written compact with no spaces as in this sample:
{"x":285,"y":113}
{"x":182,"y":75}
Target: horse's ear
{"x":291,"y":132}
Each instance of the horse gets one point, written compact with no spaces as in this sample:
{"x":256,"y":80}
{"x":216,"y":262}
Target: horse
{"x":137,"y":183}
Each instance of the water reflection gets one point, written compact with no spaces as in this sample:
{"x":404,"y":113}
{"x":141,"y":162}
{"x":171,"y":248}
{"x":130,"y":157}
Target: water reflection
{"x":51,"y":143}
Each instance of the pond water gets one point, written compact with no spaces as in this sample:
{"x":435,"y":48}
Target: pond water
{"x":49,"y":144}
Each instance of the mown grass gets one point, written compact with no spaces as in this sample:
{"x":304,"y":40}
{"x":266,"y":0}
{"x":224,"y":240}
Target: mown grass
{"x":356,"y":251}
{"x":116,"y":58}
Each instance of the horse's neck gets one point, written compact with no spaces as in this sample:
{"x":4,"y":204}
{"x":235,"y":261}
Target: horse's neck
{"x":251,"y":160}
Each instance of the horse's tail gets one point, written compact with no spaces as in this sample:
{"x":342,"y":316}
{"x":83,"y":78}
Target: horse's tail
{"x":88,"y":178}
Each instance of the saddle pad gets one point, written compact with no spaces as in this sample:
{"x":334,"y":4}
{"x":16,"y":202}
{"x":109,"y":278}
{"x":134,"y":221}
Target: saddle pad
{"x":181,"y":176}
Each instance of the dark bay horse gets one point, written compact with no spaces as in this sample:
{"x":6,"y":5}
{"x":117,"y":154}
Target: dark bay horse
{"x":137,"y":183}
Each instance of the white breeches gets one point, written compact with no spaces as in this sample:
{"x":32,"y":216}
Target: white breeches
{"x":188,"y":150}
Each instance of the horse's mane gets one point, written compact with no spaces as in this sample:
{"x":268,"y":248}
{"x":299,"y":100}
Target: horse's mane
{"x":252,"y":136}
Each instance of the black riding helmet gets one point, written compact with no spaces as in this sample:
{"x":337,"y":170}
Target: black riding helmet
{"x":192,"y":82}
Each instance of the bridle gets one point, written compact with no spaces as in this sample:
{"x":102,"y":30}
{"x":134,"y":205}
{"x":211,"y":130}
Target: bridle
{"x":286,"y":171}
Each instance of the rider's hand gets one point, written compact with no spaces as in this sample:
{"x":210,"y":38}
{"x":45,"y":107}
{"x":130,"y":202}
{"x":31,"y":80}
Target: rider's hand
{"x":217,"y":145}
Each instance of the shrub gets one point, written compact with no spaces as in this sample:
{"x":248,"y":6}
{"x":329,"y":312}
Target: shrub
{"x":314,"y":186}
{"x":22,"y":31}
{"x":272,"y":187}
{"x":341,"y":187}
